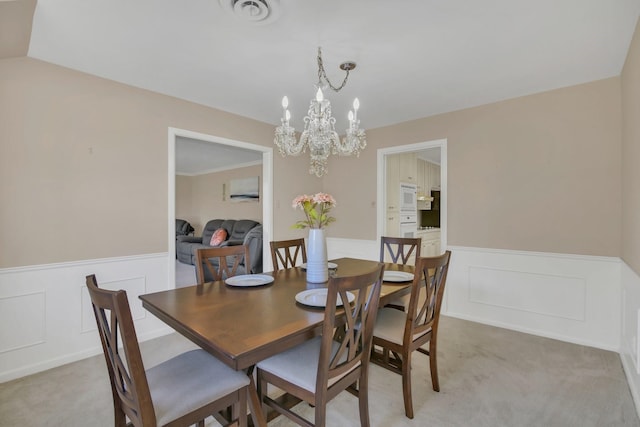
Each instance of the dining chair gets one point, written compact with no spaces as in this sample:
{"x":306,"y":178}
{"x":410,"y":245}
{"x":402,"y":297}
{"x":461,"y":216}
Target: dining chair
{"x":399,"y":250}
{"x":287,"y":253}
{"x":228,"y":260}
{"x":181,"y":391}
{"x":319,"y":369}
{"x":399,"y":334}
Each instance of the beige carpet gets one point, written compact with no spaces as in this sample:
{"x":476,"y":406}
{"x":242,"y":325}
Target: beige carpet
{"x":488,"y":377}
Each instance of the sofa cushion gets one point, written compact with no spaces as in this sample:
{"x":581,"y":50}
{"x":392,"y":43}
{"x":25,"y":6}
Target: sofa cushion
{"x":209,"y":228}
{"x":240,"y":229}
{"x":218,"y":236}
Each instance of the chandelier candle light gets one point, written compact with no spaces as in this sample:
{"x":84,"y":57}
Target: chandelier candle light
{"x":319,"y":132}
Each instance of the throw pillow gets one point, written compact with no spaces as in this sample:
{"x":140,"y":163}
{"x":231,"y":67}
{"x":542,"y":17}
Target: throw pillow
{"x":218,"y":236}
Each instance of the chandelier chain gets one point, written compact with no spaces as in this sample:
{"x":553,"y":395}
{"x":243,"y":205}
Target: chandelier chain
{"x":323,"y":75}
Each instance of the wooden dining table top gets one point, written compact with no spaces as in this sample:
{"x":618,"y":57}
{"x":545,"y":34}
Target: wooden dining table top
{"x":244,"y":325}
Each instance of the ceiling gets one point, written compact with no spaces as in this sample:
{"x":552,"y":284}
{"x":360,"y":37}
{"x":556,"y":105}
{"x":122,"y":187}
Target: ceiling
{"x":195,"y":157}
{"x":415,"y":58}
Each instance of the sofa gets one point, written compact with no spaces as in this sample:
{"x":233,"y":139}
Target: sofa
{"x":183,"y":228}
{"x":239,"y":232}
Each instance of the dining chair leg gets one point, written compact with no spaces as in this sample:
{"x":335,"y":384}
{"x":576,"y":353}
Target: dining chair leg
{"x":406,"y":385}
{"x":363,"y":401}
{"x":433,"y":364}
{"x":261,"y":389}
{"x":320,"y":414}
{"x":258,"y":415}
{"x":119,"y":417}
{"x":240,"y":409}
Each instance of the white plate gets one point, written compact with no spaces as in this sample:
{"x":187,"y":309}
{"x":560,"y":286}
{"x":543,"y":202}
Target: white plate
{"x":249,"y":280}
{"x":331,"y":265}
{"x":397,"y":276}
{"x":318,"y":297}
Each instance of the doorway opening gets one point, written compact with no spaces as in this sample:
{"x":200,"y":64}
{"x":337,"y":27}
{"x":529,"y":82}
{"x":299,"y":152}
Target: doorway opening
{"x":423,"y":148}
{"x":266,"y":189}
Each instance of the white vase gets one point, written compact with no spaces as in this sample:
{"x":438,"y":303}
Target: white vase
{"x":317,"y":263}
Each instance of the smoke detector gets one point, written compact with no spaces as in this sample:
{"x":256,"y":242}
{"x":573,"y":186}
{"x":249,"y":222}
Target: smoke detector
{"x":253,"y":11}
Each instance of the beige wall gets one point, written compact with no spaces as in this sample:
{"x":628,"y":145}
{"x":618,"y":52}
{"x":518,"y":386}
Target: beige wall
{"x":83,"y":168}
{"x":631,"y":155}
{"x":205,"y":201}
{"x":83,"y":163}
{"x":537,"y":173}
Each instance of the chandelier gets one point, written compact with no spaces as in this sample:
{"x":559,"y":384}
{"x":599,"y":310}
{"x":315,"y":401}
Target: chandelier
{"x":319,"y":132}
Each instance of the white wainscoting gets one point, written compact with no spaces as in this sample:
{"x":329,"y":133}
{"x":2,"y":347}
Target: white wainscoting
{"x":45,"y":311}
{"x":629,"y":351}
{"x":46,"y":321}
{"x":567,"y":297}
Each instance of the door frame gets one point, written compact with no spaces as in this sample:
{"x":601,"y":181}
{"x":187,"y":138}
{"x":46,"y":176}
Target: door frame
{"x":382,"y":180}
{"x":266,"y":189}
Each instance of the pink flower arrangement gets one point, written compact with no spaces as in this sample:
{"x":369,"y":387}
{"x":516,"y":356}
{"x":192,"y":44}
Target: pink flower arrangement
{"x":316,"y":209}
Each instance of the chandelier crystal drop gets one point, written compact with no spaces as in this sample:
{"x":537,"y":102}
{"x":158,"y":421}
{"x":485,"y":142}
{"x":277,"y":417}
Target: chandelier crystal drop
{"x":319,"y":132}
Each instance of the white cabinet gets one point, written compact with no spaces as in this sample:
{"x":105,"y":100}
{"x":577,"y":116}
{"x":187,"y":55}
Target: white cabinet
{"x":393,"y":224}
{"x":430,"y":242}
{"x":399,"y":168}
{"x":393,"y":183}
{"x":408,"y":168}
{"x":434,"y":175}
{"x":421,"y":165}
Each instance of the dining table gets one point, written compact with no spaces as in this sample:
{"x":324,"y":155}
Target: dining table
{"x":244,"y":322}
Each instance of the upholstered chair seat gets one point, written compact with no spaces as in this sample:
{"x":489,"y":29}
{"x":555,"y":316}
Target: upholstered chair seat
{"x":391,"y":324}
{"x":298,"y":365}
{"x":196,"y":374}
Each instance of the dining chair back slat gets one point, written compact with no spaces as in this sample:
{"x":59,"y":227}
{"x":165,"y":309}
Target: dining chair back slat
{"x":400,"y":249}
{"x":229,"y":260}
{"x":288,"y":253}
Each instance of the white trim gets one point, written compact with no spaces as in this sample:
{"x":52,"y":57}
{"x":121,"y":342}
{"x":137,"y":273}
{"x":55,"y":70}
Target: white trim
{"x":267,"y":191}
{"x":69,"y":264}
{"x":589,"y":258}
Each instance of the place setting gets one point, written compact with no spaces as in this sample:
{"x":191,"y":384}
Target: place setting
{"x":330,"y":265}
{"x":249,"y":280}
{"x":397,"y":276}
{"x":317,"y":298}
